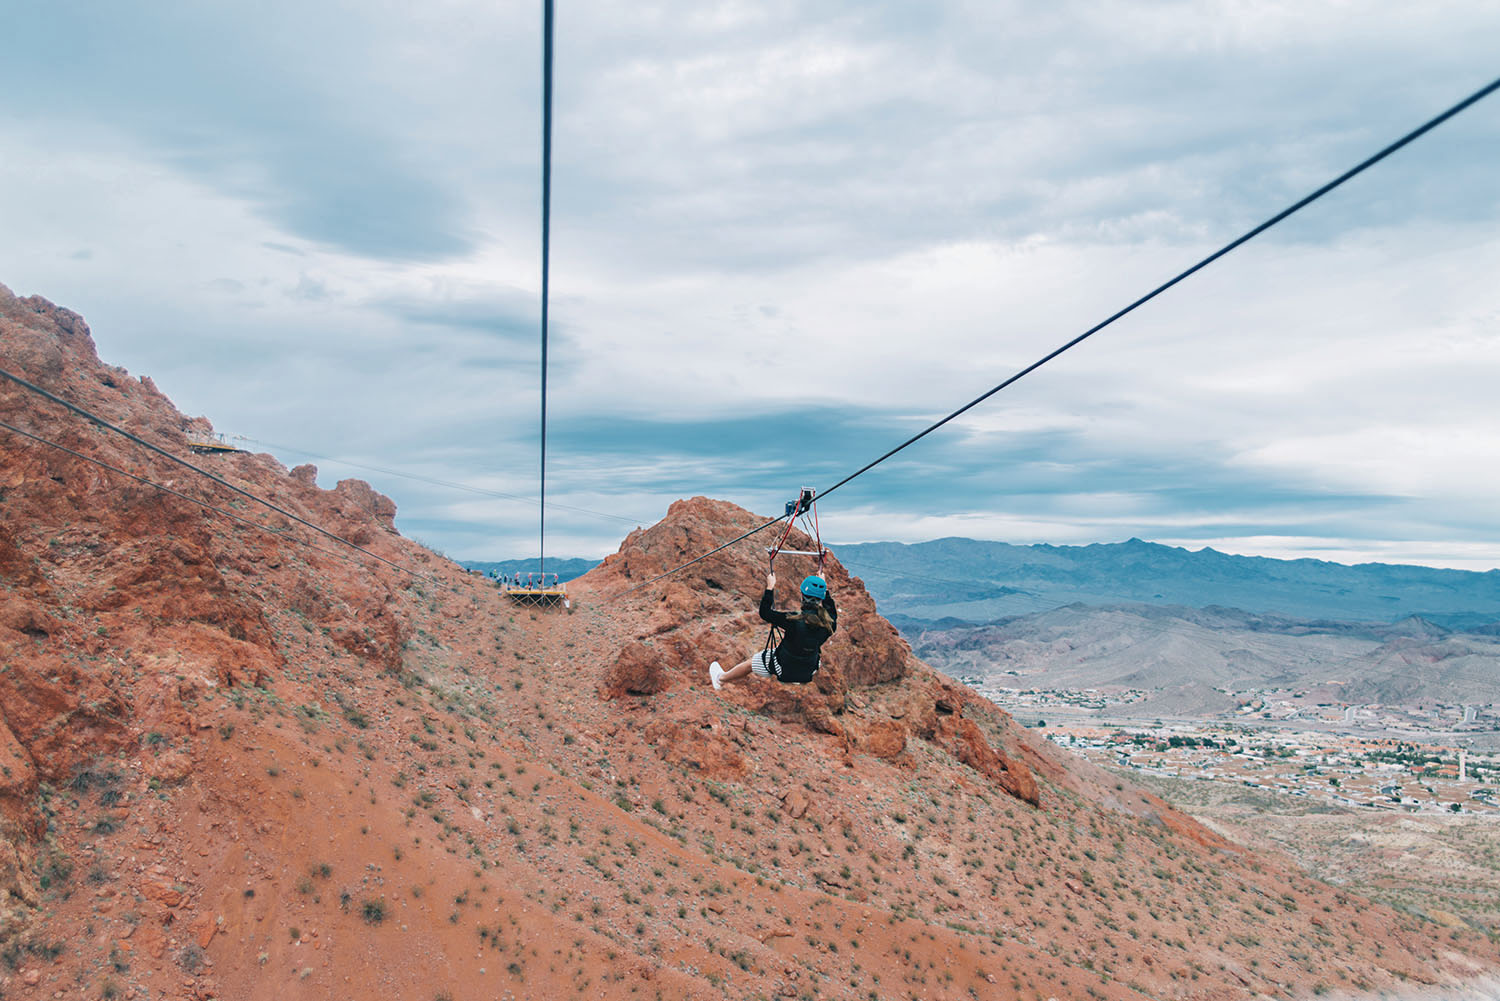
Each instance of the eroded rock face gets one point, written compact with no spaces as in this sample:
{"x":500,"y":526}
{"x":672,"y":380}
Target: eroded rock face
{"x":707,"y":612}
{"x":963,"y":739}
{"x":358,"y":504}
{"x":866,"y":650}
{"x":121,"y":605}
{"x":820,"y":710}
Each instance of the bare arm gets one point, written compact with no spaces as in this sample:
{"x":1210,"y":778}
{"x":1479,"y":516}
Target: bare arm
{"x":767,"y":611}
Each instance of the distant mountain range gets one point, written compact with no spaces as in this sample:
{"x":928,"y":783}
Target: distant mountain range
{"x":1185,"y":626}
{"x":1190,"y":658}
{"x":976,"y":582}
{"x":966,"y":581}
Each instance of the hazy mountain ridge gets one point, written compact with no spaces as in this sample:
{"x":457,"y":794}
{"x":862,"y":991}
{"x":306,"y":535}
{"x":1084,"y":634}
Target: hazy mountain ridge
{"x":1100,"y":616}
{"x":1180,"y":649}
{"x":964,"y":578}
{"x":566,"y":569}
{"x":956,"y":581}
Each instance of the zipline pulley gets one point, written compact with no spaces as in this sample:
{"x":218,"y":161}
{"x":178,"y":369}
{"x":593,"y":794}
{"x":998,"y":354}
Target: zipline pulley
{"x":804,"y":505}
{"x":801,"y":505}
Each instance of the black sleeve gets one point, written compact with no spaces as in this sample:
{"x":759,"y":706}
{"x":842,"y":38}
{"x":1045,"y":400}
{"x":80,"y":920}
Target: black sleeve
{"x":833,"y":611}
{"x":770,"y":614}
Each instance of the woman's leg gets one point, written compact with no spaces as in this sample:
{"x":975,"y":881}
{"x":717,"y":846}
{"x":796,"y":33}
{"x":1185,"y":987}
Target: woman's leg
{"x":736,"y":672}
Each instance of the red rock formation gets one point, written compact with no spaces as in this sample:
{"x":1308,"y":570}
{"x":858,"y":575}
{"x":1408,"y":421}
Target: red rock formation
{"x":865,"y":651}
{"x":963,"y":739}
{"x":636,"y":671}
{"x":706,"y":602}
{"x":121,"y":605}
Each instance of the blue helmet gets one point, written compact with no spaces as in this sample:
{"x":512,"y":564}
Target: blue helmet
{"x":815,"y":587}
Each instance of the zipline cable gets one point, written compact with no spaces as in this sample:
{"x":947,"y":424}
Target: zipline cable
{"x":437,"y":482}
{"x":546,"y":255}
{"x":699,"y":559}
{"x":95,"y":418}
{"x":179,"y":494}
{"x":1354,"y":171}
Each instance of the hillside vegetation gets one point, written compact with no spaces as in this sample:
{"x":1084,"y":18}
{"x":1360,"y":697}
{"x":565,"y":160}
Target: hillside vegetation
{"x":238,"y":766}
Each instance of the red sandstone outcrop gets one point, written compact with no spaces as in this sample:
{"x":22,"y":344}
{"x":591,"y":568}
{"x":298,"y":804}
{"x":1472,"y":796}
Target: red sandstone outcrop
{"x":637,"y":670}
{"x":699,"y":615}
{"x":866,"y":650}
{"x":963,"y":739}
{"x":119,"y":603}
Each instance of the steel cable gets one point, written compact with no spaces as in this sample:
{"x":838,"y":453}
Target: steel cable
{"x":1301,"y":203}
{"x":179,"y":494}
{"x":546,"y":257}
{"x":1354,"y":171}
{"x":95,"y":418}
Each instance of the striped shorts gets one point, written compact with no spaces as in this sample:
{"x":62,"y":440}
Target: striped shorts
{"x":760,"y":664}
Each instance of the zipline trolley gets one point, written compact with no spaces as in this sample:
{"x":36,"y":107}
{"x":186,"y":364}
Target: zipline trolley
{"x":805,"y":510}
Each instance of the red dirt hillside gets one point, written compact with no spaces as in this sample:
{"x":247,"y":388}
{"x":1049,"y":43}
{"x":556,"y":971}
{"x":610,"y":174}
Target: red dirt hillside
{"x":233,"y":765}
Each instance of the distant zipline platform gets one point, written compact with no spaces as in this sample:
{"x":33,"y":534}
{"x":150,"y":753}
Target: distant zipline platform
{"x":545,"y":597}
{"x":535,"y":589}
{"x":211,"y":445}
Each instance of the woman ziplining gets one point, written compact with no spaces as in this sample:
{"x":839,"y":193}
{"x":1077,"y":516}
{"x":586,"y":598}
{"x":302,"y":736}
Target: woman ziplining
{"x":794,"y":660}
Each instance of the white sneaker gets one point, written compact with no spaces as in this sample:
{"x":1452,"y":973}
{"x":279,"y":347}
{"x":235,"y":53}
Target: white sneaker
{"x":715,"y":672}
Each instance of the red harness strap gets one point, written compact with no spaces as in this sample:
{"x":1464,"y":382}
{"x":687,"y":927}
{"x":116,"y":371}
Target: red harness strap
{"x":806,"y":501}
{"x":782,"y":541}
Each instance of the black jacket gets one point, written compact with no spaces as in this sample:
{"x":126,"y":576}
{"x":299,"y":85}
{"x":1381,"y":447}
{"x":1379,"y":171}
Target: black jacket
{"x":797,"y":654}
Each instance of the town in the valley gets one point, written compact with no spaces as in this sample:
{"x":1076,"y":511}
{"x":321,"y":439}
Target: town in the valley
{"x":1425,"y":758}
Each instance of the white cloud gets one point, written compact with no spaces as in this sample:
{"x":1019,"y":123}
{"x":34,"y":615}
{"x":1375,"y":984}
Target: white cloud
{"x":876,"y":209}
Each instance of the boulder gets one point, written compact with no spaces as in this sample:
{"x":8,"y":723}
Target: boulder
{"x":882,"y":738}
{"x":795,"y":802}
{"x":638,"y":670}
{"x":357,"y":501}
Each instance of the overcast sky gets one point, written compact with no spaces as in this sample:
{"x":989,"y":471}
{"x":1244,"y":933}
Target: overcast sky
{"x":786,"y":236}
